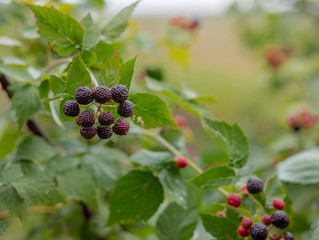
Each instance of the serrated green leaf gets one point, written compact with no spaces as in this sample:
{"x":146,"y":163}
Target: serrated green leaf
{"x":57,"y":85}
{"x":61,"y":164}
{"x":25,"y":102}
{"x":151,"y":111}
{"x":12,"y":201}
{"x":214,"y":177}
{"x":110,"y":72}
{"x":78,"y":76}
{"x":29,"y":167}
{"x":220,"y":228}
{"x":176,"y":223}
{"x":44,"y":89}
{"x":230,"y":138}
{"x":273,"y":189}
{"x":17,"y":73}
{"x":103,"y":52}
{"x":150,"y":159}
{"x":88,"y":57}
{"x":127,"y":73}
{"x":10,"y":173}
{"x":300,"y":168}
{"x":62,"y":31}
{"x":77,"y":184}
{"x":91,"y":34}
{"x":118,"y":23}
{"x":135,"y":198}
{"x":314,"y":230}
{"x":37,"y":189}
{"x":35,"y":148}
{"x":4,"y":226}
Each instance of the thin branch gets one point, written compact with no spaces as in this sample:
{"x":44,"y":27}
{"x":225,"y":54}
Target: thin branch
{"x":56,"y":62}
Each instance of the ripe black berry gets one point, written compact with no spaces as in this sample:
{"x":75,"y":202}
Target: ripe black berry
{"x":102,"y":94}
{"x":84,"y":95}
{"x":104,"y":132}
{"x":86,"y":119}
{"x":280,"y":219}
{"x":88,"y":132}
{"x":125,"y":109}
{"x":259,"y":232}
{"x":121,"y":127}
{"x":106,"y":118}
{"x":288,"y":236}
{"x":119,"y":93}
{"x":71,"y":109}
{"x":255,"y":185}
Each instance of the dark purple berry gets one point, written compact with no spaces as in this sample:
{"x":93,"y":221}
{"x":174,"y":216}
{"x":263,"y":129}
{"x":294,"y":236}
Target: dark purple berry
{"x":280,"y":219}
{"x":106,"y":118}
{"x":71,"y":109}
{"x":288,"y":236}
{"x":88,"y":132}
{"x":119,"y":93}
{"x":86,"y":119}
{"x":104,"y":132}
{"x":255,"y":185}
{"x":125,"y":109}
{"x":84,"y":95}
{"x":121,"y":127}
{"x":259,"y":231}
{"x":102,"y":94}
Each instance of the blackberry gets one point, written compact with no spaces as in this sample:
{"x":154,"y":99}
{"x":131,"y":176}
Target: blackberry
{"x":280,"y":219}
{"x":259,"y":232}
{"x":102,"y":94}
{"x":255,"y":185}
{"x":84,"y":95}
{"x":86,"y":119}
{"x":119,"y":93}
{"x":288,"y":236}
{"x":71,"y":109}
{"x":88,"y":132}
{"x":106,"y":118}
{"x":104,"y":132}
{"x":125,"y":109}
{"x":121,"y":127}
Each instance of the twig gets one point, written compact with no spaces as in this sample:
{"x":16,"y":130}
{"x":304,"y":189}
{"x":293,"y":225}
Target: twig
{"x":56,"y":62}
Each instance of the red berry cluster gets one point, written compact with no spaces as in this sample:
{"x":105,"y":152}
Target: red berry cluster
{"x":185,"y":23}
{"x":277,"y":56}
{"x":86,"y":97}
{"x":303,"y":119}
{"x":258,"y":229}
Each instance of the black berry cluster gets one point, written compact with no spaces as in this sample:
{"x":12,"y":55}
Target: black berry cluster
{"x":87,"y":118}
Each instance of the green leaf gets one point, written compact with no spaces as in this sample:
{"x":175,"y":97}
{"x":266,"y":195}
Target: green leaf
{"x":12,"y":201}
{"x":91,"y":34}
{"x":88,"y":57}
{"x":37,"y":189}
{"x":57,"y":85}
{"x":77,"y":184}
{"x":10,"y":173}
{"x":110,"y":72}
{"x":151,"y":111}
{"x":127,"y":73}
{"x":35,"y":148}
{"x":220,"y":228}
{"x":175,"y":137}
{"x":4,"y":226}
{"x":273,"y":189}
{"x":150,"y":159}
{"x":230,"y":138}
{"x":25,"y":102}
{"x":136,"y":197}
{"x":44,"y":89}
{"x":300,"y":168}
{"x":118,"y":23}
{"x":17,"y":73}
{"x":314,"y":230}
{"x":62,"y":31}
{"x":214,"y":177}
{"x":103,"y":52}
{"x":176,"y":223}
{"x":61,"y":164}
{"x":78,"y":76}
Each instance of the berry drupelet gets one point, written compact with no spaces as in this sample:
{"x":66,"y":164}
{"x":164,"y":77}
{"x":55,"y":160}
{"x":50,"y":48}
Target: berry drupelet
{"x":119,"y":93}
{"x":259,"y":232}
{"x":125,"y":109}
{"x":71,"y":109}
{"x":121,"y":127}
{"x":86,"y":119}
{"x":88,"y":132}
{"x":280,"y":219}
{"x":106,"y":118}
{"x":104,"y":132}
{"x":255,"y":185}
{"x":84,"y":95}
{"x":102,"y":94}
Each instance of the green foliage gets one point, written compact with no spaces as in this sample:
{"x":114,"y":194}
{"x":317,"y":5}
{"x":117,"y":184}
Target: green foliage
{"x":110,"y":72}
{"x":127,"y":73}
{"x":3,"y":226}
{"x":314,"y":230}
{"x":91,"y":34}
{"x":150,"y":159}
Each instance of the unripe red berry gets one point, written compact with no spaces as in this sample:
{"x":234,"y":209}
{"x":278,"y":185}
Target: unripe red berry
{"x":181,"y":162}
{"x":246,"y":222}
{"x":266,"y":219}
{"x":180,"y":121}
{"x":221,"y":214}
{"x":234,"y":200}
{"x":278,"y":204}
{"x":244,"y":190}
{"x":243,"y":232}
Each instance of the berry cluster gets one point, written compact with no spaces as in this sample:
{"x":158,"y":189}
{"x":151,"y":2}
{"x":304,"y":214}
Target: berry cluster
{"x":258,"y":230}
{"x":303,"y":119}
{"x":277,"y":56}
{"x":185,"y":23}
{"x":87,"y":119}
